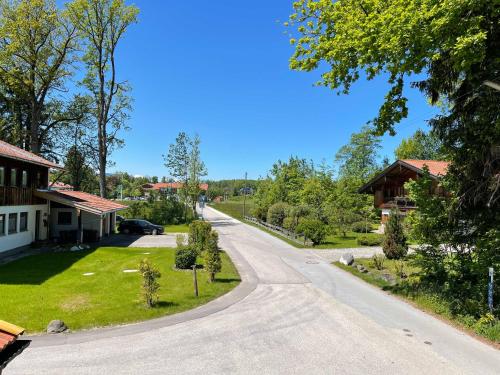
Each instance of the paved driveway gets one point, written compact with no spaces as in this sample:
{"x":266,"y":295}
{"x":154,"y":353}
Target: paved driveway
{"x":293,"y":314}
{"x":130,"y":240}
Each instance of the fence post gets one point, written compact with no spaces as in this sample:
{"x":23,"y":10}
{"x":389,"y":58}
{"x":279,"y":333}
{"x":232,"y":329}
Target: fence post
{"x":490,"y":289}
{"x":195,"y":280}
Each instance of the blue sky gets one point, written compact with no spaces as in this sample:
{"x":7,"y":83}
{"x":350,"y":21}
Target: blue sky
{"x":220,"y":69}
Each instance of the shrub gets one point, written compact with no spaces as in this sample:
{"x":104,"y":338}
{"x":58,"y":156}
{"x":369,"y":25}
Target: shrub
{"x":212,"y":259}
{"x":289,"y":224}
{"x":199,"y":232}
{"x":378,"y":261}
{"x":277,"y":213}
{"x":360,"y":227}
{"x":400,"y":268}
{"x":150,"y":285}
{"x":312,"y":229}
{"x":185,"y":258}
{"x":394,"y":244}
{"x":162,"y":212}
{"x":369,"y":240}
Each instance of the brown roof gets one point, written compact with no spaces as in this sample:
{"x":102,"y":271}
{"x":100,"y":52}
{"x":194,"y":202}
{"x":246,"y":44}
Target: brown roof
{"x":170,"y":185}
{"x":436,"y":167}
{"x":84,"y":201}
{"x":60,"y":186}
{"x":12,"y":152}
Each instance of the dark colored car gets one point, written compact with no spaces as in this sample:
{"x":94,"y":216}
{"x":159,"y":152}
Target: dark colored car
{"x":130,"y":226}
{"x":119,"y":218}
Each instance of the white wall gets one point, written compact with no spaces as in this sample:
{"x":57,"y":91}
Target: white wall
{"x":89,"y":221}
{"x":14,"y":240}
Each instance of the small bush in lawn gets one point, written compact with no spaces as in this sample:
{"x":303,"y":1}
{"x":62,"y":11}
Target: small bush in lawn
{"x":369,"y":240}
{"x":400,"y":268}
{"x":212,"y":259}
{"x":378,"y":261}
{"x":150,"y":285}
{"x":185,"y":258}
{"x":394,"y":244}
{"x":360,"y":227}
{"x":313,"y":229}
{"x":199,"y":232}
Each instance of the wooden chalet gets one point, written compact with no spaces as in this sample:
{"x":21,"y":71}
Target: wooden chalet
{"x":388,"y":187}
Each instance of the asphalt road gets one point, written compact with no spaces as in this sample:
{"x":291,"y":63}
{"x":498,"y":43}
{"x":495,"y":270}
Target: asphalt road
{"x":293,"y":314}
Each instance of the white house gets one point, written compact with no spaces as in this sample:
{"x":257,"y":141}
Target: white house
{"x":31,"y":212}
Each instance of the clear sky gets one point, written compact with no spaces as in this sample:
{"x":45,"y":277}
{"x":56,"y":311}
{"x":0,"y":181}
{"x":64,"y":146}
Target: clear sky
{"x":220,"y":69}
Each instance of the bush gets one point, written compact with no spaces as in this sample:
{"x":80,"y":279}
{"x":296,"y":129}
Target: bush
{"x":199,"y":232}
{"x":394,"y":244}
{"x":369,"y":240}
{"x":212,"y":259}
{"x":361,"y":227}
{"x":378,"y":261}
{"x":277,"y":213}
{"x":185,"y":258}
{"x":312,"y":229}
{"x":150,"y":285}
{"x":162,"y":212}
{"x":289,"y":224}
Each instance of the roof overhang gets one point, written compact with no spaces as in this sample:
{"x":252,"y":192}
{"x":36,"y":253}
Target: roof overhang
{"x":366,"y":188}
{"x":52,"y":196}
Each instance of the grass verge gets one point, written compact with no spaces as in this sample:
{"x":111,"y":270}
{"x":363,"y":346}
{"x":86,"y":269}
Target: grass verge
{"x":176,"y":228}
{"x":37,"y":289}
{"x":234,"y":208}
{"x":410,"y":289}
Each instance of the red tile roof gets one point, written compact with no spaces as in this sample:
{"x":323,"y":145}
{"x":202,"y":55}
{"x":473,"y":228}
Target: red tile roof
{"x":170,"y":185}
{"x":84,"y":201}
{"x":12,"y":152}
{"x":436,"y":168}
{"x":6,"y":339}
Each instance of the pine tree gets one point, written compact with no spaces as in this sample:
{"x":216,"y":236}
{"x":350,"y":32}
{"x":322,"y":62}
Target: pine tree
{"x":394,"y":245}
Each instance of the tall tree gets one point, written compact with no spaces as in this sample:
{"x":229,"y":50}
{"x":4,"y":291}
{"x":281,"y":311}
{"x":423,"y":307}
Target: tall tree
{"x":358,"y":159}
{"x":102,"y":24}
{"x":37,"y":45}
{"x":178,"y":161}
{"x":197,"y":170}
{"x":452,"y":44}
{"x":421,"y":145}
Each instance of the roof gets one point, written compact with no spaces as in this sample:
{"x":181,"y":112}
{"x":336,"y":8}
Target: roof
{"x":170,"y":185}
{"x":83,"y":201}
{"x":8,"y":334}
{"x":436,"y":169}
{"x":12,"y":152}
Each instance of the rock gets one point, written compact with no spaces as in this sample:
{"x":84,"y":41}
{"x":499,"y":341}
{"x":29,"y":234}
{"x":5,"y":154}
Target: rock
{"x":56,"y":326}
{"x":387,"y":277}
{"x":347,"y":259}
{"x":75,"y":248}
{"x":361,"y":268}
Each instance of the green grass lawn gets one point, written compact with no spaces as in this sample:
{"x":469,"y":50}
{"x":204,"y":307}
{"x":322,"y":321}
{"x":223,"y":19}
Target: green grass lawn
{"x":37,"y":289}
{"x":176,"y":228}
{"x":234,"y":207}
{"x":431,"y":301}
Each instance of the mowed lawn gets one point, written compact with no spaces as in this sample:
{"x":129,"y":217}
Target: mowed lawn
{"x":234,"y":207}
{"x":37,"y":289}
{"x":176,"y":228}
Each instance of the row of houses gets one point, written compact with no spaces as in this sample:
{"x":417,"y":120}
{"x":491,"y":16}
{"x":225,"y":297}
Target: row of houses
{"x":32,"y":211}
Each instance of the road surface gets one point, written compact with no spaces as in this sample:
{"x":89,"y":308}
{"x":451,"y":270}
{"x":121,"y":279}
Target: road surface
{"x":293,"y":314}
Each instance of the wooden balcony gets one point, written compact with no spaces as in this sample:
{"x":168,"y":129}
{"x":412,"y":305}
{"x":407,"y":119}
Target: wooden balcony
{"x":400,"y":202}
{"x":17,"y":196}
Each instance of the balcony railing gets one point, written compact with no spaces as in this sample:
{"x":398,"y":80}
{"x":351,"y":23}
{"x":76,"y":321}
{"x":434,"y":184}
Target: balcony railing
{"x":16,"y":196}
{"x":399,"y":201}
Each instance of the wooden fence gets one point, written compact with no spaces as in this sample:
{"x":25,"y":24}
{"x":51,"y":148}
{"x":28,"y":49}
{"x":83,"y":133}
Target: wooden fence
{"x":292,"y":236}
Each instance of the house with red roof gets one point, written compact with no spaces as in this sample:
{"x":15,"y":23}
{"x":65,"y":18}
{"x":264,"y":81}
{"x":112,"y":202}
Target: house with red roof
{"x":31,"y":211}
{"x":168,"y":187}
{"x":388,"y":186}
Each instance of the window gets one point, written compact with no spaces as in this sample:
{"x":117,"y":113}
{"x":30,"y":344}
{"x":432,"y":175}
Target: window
{"x":25,"y":179}
{"x":2,"y":176}
{"x":23,"y":222}
{"x":12,"y":223}
{"x":39,"y":179}
{"x":2,"y":225}
{"x":13,"y":177}
{"x":64,"y":218}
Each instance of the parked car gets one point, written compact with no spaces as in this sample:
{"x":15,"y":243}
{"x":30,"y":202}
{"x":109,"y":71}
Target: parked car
{"x":129,"y":226}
